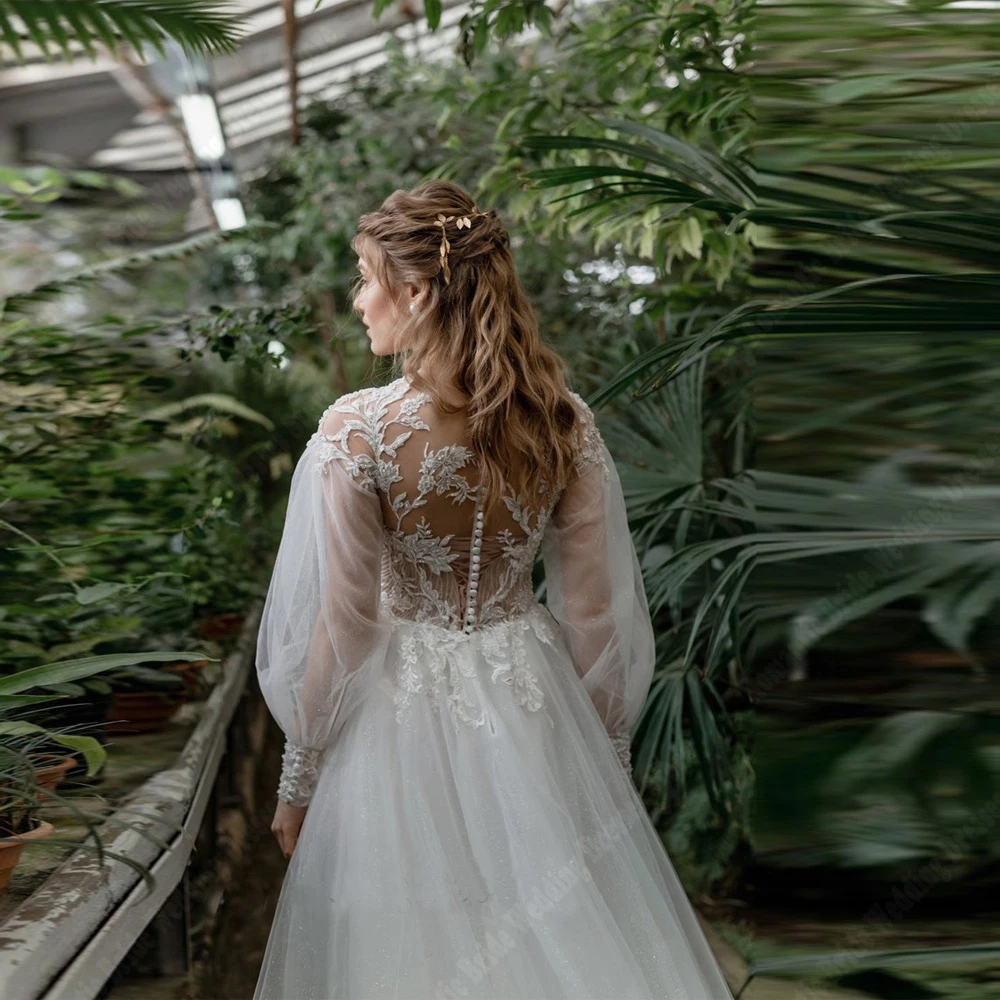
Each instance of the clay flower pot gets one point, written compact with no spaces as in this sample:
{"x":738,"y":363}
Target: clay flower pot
{"x":86,"y":715}
{"x":190,"y":673}
{"x":51,"y":769}
{"x":143,"y":711}
{"x":11,"y":848}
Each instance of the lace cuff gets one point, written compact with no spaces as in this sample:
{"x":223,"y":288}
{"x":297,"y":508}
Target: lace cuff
{"x":622,"y":743}
{"x":299,"y":771}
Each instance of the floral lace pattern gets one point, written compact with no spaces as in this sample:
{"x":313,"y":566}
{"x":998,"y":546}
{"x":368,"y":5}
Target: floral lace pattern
{"x":432,"y":664}
{"x":371,"y":472}
{"x":591,"y":447}
{"x":419,"y":571}
{"x":299,"y":773}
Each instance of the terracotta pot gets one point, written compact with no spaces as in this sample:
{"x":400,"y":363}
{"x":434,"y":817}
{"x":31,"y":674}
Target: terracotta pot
{"x":143,"y":711}
{"x":51,"y":769}
{"x":190,"y":673}
{"x":11,"y":848}
{"x":85,"y":715}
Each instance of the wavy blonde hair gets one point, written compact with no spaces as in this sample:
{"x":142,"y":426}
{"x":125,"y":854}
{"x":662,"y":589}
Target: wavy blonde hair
{"x":478,"y":333}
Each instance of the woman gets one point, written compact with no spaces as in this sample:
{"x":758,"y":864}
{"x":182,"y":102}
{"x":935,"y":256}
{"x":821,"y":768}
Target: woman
{"x":456,"y":794}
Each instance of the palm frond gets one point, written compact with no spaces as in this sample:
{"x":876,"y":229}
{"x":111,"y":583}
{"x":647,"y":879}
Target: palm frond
{"x":72,"y":26}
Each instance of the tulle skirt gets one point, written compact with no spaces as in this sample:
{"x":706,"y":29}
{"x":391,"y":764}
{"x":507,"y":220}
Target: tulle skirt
{"x":473,"y":834}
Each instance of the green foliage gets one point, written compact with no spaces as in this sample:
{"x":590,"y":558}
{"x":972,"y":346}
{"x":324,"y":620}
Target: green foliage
{"x":30,"y":190}
{"x":875,"y":284}
{"x":137,"y":479}
{"x":135,"y":484}
{"x":71,"y":26}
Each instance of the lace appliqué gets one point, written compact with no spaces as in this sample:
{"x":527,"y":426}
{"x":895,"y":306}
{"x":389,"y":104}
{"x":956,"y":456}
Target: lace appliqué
{"x":622,"y":742}
{"x":417,"y":560}
{"x":299,"y":773}
{"x":438,"y":473}
{"x":372,"y":468}
{"x":435,"y":661}
{"x":591,"y":449}
{"x":505,"y":651}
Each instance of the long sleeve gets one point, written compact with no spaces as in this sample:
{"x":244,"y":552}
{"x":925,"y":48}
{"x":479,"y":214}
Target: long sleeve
{"x":321,"y":636}
{"x":595,"y":590}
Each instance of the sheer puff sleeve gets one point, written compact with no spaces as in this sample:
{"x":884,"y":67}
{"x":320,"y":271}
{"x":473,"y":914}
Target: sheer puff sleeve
{"x":321,"y":635}
{"x":595,"y":589}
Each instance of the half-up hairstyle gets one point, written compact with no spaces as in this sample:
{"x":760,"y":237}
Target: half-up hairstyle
{"x":476,"y":331}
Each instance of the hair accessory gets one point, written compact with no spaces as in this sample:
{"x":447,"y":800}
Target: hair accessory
{"x":464,"y":222}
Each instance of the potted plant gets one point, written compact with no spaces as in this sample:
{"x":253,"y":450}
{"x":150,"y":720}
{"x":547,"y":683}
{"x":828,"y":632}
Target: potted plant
{"x":192,"y":673}
{"x":144,"y":699}
{"x":51,"y":769}
{"x":22,"y":793}
{"x":84,"y":713}
{"x":25,"y":785}
{"x":19,"y":801}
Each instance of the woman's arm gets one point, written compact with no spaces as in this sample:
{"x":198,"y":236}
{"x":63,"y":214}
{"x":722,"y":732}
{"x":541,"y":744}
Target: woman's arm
{"x":595,"y":590}
{"x":321,"y":635}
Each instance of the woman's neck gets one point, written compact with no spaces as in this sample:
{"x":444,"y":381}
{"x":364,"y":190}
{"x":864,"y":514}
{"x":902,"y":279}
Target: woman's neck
{"x":453,"y":395}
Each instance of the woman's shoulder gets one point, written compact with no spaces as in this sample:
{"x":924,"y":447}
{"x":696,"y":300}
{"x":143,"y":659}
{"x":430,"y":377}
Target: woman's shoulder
{"x":590,"y":443}
{"x":359,"y":405}
{"x":581,"y":404}
{"x":356,"y":422}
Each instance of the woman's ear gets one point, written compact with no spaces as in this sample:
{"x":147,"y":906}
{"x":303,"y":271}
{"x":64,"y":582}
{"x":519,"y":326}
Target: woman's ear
{"x":418,"y":294}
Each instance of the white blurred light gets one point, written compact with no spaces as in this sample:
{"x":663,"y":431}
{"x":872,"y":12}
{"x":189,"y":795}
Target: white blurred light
{"x":277,"y":349}
{"x":641,"y":274}
{"x":67,"y":258}
{"x":229,"y":213}
{"x":201,"y":120}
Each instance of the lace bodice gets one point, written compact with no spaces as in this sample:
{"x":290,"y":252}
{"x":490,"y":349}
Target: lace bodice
{"x":444,"y":564}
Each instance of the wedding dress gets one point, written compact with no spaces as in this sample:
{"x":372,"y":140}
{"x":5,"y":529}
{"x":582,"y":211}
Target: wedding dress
{"x":473,"y":829}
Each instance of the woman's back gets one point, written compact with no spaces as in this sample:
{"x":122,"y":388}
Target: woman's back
{"x":444,"y":562}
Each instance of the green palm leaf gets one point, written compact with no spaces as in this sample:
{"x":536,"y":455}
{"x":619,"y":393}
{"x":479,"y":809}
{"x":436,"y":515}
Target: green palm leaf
{"x":63,"y":671}
{"x":55,"y":25}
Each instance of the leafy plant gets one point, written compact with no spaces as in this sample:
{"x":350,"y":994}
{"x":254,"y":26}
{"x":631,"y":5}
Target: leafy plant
{"x":19,"y":799}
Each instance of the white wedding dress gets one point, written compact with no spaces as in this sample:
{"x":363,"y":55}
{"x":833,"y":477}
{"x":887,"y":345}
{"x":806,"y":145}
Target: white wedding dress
{"x":471,"y":830}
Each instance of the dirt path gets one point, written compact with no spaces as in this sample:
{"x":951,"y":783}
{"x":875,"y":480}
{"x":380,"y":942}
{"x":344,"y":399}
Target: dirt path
{"x":230,"y":970}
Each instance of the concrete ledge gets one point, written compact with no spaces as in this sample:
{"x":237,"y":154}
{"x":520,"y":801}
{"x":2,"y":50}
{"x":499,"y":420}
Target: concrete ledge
{"x":66,"y":938}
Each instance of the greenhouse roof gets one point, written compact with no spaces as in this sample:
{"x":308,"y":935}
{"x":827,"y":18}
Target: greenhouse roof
{"x":99,"y":114}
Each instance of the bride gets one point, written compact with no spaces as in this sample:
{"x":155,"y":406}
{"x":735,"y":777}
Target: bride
{"x":456,"y":794}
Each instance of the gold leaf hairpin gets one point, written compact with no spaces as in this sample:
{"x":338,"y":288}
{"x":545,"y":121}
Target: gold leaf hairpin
{"x":464,"y":222}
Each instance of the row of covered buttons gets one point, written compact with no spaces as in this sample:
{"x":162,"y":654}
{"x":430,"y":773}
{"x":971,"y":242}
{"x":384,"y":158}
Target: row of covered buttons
{"x":477,"y":543}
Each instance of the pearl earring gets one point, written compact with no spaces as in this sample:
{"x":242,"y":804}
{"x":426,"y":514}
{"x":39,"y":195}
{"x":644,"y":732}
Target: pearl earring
{"x":413,"y":308}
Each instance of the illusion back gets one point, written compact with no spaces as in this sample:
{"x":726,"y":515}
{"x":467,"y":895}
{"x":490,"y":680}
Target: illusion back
{"x":444,"y":562}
